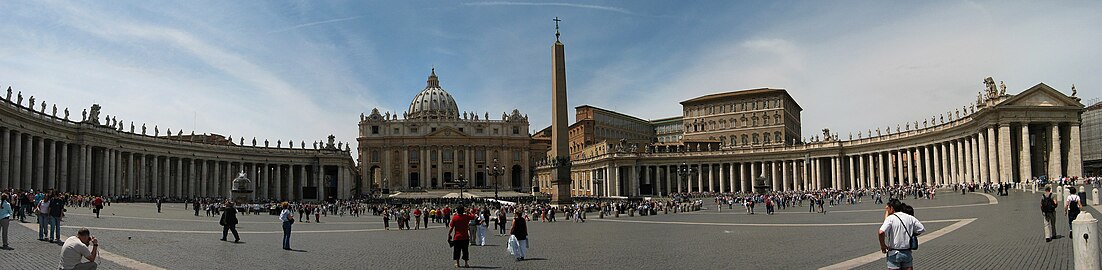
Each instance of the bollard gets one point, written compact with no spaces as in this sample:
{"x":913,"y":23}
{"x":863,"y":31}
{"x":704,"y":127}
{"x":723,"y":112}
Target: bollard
{"x":1085,"y":241}
{"x":1059,"y":194}
{"x":1094,"y":196}
{"x":1033,"y":188}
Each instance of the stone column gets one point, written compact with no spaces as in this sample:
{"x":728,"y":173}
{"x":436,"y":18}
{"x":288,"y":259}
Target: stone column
{"x":970,"y":166}
{"x":699,"y":187}
{"x":303,"y":180}
{"x":1025,"y":161}
{"x":51,"y":166}
{"x":1075,"y":155}
{"x":1006,"y":173}
{"x":816,"y":173}
{"x":5,"y":162}
{"x":216,"y":178}
{"x":897,"y":171}
{"x":786,"y":183}
{"x":29,"y":162}
{"x":1055,"y":167}
{"x":744,"y":183}
{"x":63,"y":167}
{"x":722,"y":184}
{"x":773,"y":179}
{"x":753,"y":175}
{"x":17,"y":161}
{"x":279,"y":183}
{"x":155,"y":176}
{"x":993,"y":156}
{"x":179,"y":181}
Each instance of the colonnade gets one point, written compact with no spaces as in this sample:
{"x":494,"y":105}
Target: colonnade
{"x":996,"y":153}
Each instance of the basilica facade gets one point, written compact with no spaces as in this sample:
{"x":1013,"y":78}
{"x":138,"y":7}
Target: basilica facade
{"x":434,"y":145}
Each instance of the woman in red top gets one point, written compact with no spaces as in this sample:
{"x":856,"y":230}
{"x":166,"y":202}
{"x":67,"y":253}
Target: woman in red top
{"x":459,"y":235}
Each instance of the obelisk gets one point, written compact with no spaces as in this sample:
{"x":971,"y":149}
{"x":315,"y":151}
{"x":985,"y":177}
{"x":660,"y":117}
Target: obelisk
{"x":559,"y":151}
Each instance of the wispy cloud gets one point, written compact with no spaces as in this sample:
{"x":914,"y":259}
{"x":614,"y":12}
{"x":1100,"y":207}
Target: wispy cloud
{"x":315,"y":23}
{"x":506,"y":3}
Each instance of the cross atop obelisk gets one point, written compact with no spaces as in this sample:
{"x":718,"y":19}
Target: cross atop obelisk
{"x":557,"y":28}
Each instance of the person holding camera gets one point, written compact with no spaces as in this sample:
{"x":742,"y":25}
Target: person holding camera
{"x":76,"y":248}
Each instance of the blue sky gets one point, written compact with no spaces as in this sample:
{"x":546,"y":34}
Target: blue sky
{"x":301,"y":70}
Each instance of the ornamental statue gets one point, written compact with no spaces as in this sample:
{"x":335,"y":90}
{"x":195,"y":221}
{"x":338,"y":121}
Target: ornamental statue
{"x":143,"y":128}
{"x":9,"y":93}
{"x":1073,"y":91}
{"x":53,"y":111}
{"x":30,"y":103}
{"x":66,"y":113}
{"x":93,"y":114}
{"x":1002,"y":88}
{"x":43,"y":108}
{"x":20,"y":100}
{"x":156,"y":130}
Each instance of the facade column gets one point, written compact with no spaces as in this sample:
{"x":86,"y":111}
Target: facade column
{"x":722,"y":184}
{"x":744,"y":184}
{"x":17,"y":161}
{"x":1075,"y":154}
{"x":154,"y":176}
{"x":1006,"y":173}
{"x":753,"y":174}
{"x":852,"y":173}
{"x":179,"y":181}
{"x":1055,"y":168}
{"x":786,"y":183}
{"x":51,"y":165}
{"x":63,"y":167}
{"x":774,"y":180}
{"x":279,"y":195}
{"x":928,"y":176}
{"x":816,"y":173}
{"x":1024,"y":159}
{"x":969,"y":166}
{"x":993,"y":156}
{"x":5,"y":162}
{"x":39,"y":151}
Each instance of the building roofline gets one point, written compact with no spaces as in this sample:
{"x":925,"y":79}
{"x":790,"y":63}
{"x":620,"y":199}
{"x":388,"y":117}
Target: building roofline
{"x":610,"y":111}
{"x":745,"y":92}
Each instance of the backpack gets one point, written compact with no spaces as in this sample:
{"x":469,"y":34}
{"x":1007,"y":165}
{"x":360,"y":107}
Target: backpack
{"x":1047,"y":205}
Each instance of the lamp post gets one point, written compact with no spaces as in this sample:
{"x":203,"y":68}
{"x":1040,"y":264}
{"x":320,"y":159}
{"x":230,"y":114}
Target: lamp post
{"x":685,"y":171}
{"x":495,"y":170}
{"x":462,"y":183}
{"x":597,"y":183}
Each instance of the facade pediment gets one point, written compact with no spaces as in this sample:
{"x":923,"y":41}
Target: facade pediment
{"x":446,"y":132}
{"x":1042,"y":95}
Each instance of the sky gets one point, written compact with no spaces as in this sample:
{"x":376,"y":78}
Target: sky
{"x":301,"y":70}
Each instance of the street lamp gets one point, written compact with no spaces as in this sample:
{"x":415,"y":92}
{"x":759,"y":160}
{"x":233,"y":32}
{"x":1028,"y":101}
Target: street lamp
{"x":462,"y":183}
{"x":685,"y":171}
{"x":597,"y":183}
{"x":495,"y":171}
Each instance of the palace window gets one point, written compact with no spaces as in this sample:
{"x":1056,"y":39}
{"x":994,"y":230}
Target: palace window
{"x":448,"y":155}
{"x":374,"y":129}
{"x":397,"y":131}
{"x":413,"y":130}
{"x":755,"y":138}
{"x":375,"y":156}
{"x":480,"y":155}
{"x":766,"y":137}
{"x":516,"y":130}
{"x":744,"y":140}
{"x":777,"y":137}
{"x":495,"y":131}
{"x":414,"y":156}
{"x":478,"y":130}
{"x":432,"y":155}
{"x":755,"y":121}
{"x":516,"y":155}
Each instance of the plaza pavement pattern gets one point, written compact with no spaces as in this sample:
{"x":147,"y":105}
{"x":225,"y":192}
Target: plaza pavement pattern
{"x":973,"y":231}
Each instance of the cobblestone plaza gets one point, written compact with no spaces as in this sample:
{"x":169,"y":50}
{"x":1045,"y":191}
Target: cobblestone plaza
{"x":973,"y":231}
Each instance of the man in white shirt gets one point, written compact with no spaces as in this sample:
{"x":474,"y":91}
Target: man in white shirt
{"x":75,"y":248}
{"x":897,"y":229}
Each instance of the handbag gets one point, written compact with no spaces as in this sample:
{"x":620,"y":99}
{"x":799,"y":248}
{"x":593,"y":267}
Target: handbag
{"x":914,"y":239}
{"x":450,"y":242}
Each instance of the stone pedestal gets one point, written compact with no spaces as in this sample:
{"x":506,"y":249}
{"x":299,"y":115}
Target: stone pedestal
{"x":1084,"y":241}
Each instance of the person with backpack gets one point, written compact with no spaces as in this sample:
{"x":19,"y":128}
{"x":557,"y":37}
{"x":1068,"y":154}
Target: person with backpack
{"x":1048,"y":209}
{"x":1072,"y":206}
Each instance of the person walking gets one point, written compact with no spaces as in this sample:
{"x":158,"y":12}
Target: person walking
{"x":459,"y":236}
{"x":518,"y":237}
{"x":1072,"y":207}
{"x":287,"y":218}
{"x":229,"y":222}
{"x":97,"y":205}
{"x":76,"y":248}
{"x":5,"y":219}
{"x":483,"y":224}
{"x":158,"y":200}
{"x":1048,"y":210}
{"x":899,"y":231}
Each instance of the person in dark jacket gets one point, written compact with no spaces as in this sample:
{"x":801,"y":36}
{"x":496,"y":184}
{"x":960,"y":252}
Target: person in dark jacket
{"x":519,"y":232}
{"x":229,"y":222}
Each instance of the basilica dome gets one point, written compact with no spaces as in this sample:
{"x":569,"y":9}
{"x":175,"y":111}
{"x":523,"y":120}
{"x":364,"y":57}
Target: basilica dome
{"x":433,"y":102}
